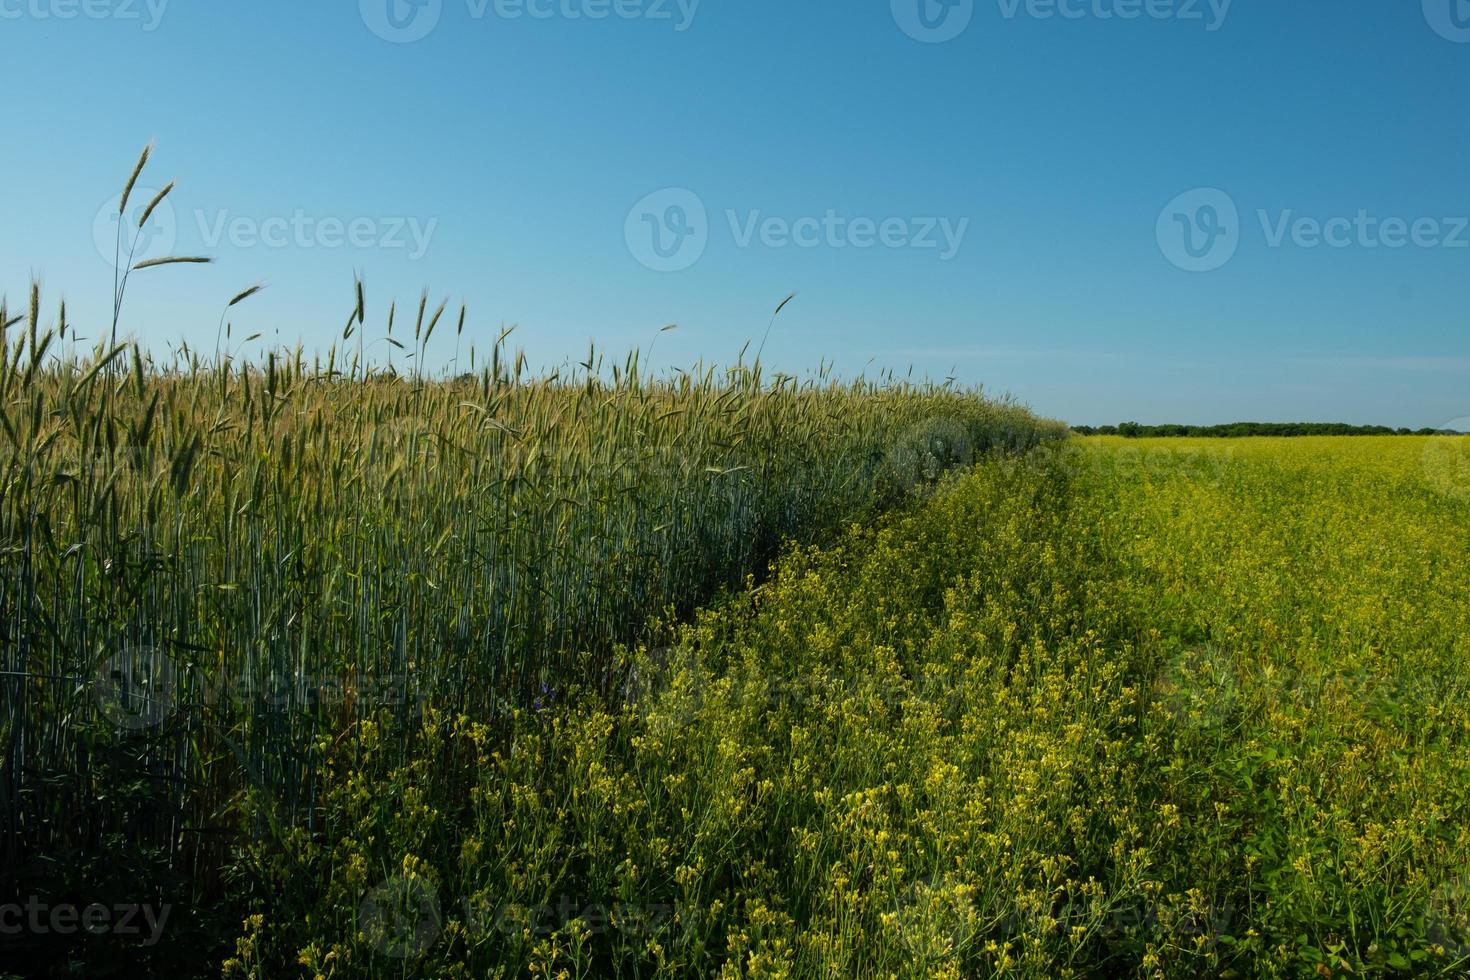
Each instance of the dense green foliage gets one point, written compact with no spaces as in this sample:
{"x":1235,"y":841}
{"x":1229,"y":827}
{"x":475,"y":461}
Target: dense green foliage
{"x":1104,"y":708}
{"x":1171,"y":713}
{"x":206,"y":573}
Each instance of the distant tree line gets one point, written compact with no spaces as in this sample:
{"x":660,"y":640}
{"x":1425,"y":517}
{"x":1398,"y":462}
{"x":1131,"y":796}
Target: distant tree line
{"x":1133,"y":430}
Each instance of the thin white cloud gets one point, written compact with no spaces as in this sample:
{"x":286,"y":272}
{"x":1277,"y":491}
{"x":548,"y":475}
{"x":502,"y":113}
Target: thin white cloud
{"x":1446,"y":365}
{"x":973,"y":353}
{"x":1417,"y":363}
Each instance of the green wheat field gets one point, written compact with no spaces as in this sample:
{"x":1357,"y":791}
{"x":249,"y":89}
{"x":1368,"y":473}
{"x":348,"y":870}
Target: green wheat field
{"x":325,"y":669}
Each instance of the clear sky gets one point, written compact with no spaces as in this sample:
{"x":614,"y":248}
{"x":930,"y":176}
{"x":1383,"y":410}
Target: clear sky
{"x":1161,"y":210}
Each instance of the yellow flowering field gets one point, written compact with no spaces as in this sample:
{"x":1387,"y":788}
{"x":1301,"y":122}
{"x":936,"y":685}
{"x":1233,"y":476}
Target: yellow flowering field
{"x":1132,"y":708}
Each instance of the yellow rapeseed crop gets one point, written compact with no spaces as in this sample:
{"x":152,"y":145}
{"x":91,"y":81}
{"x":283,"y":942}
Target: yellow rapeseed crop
{"x":1170,"y":709}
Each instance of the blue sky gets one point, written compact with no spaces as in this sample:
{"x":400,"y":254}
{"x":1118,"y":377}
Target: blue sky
{"x":1007,"y":205}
